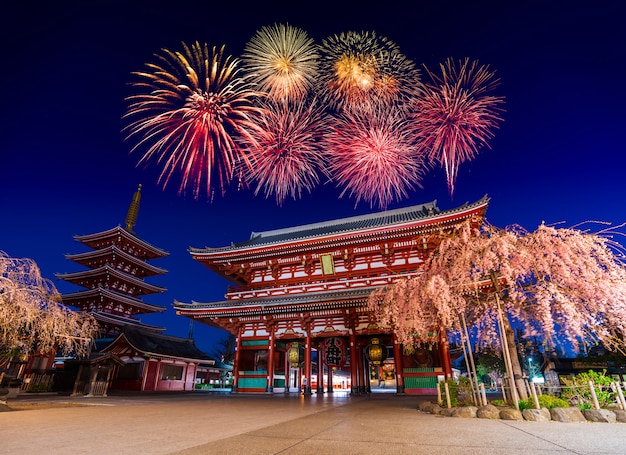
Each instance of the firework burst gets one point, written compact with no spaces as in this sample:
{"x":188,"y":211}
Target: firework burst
{"x":455,"y":115}
{"x":358,"y":70}
{"x":194,"y":116}
{"x":289,"y":158}
{"x":282,"y":60}
{"x":374,"y":156}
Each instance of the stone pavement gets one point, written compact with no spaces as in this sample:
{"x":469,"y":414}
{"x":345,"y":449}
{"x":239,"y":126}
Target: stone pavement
{"x":203,"y":423}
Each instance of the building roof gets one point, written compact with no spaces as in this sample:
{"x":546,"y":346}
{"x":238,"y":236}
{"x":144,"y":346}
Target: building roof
{"x":156,"y":344}
{"x":85,"y":296}
{"x":101,"y":239}
{"x":112,"y":254}
{"x":97,"y":277}
{"x":123,"y":321}
{"x":356,"y":224}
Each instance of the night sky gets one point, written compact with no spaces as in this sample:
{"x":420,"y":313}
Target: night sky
{"x":559,"y":155}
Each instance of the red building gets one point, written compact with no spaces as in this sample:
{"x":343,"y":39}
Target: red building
{"x":298,"y":301}
{"x":113,"y":280}
{"x":114,"y":283}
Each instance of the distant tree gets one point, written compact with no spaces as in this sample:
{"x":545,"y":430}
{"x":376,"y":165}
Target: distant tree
{"x":32,"y":319}
{"x":225,"y":349}
{"x":552,"y":282}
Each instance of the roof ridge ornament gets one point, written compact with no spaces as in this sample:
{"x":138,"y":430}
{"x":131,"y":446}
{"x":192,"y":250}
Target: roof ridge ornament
{"x":133,"y":211}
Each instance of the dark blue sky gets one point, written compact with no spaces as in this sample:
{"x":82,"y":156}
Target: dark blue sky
{"x":559,"y":155}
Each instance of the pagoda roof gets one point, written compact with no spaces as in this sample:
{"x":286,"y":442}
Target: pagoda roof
{"x":85,"y":277}
{"x":111,"y":235}
{"x":417,"y":215}
{"x":123,"y":321}
{"x":277,"y":304}
{"x":89,"y":258}
{"x":102,"y":293}
{"x":160,"y":345}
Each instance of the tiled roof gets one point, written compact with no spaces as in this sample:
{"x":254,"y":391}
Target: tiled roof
{"x":344,"y":225}
{"x":165,"y":345}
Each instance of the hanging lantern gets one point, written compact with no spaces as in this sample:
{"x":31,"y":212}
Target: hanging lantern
{"x":334,"y":352}
{"x":375,"y":352}
{"x":294,"y":354}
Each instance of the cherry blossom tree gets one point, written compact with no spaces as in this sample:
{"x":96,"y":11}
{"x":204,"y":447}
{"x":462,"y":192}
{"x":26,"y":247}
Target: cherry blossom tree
{"x":32,"y":319}
{"x":553,"y":283}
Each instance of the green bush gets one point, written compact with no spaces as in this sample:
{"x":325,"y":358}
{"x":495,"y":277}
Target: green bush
{"x":545,"y":401}
{"x":577,"y":392}
{"x":460,"y":391}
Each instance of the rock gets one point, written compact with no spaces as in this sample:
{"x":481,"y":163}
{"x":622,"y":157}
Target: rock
{"x":447,"y":412}
{"x":488,"y":411}
{"x":620,"y":415}
{"x":464,"y":411}
{"x":537,"y":415}
{"x":510,"y":414}
{"x":427,"y":406}
{"x":567,"y":415}
{"x":436,"y":409}
{"x":600,"y":415}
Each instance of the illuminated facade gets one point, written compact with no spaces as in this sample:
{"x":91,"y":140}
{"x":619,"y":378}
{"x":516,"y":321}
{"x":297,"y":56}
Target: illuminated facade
{"x":298,"y":303}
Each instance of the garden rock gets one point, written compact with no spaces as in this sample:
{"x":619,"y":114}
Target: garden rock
{"x":567,"y":415}
{"x":600,"y":415}
{"x":510,"y":414}
{"x":488,"y":411}
{"x":620,"y":415}
{"x":537,"y":415}
{"x":464,"y":411}
{"x":447,"y":412}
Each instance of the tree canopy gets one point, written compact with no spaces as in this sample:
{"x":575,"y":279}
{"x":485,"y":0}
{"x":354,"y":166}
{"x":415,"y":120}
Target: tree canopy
{"x":32,"y":317}
{"x":555,"y":281}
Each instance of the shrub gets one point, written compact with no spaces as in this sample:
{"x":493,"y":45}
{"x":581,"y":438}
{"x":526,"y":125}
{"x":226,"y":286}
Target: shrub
{"x":545,"y":401}
{"x":460,"y":391}
{"x":577,"y":392}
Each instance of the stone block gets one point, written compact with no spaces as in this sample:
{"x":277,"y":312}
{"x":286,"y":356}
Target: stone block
{"x":600,"y":415}
{"x":464,"y":411}
{"x":488,"y":411}
{"x":510,"y":414}
{"x":537,"y":415}
{"x":567,"y":415}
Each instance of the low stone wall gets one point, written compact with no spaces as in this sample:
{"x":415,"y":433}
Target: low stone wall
{"x":490,"y":411}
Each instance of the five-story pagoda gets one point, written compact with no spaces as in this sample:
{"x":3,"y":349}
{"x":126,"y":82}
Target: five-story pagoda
{"x":114,"y":281}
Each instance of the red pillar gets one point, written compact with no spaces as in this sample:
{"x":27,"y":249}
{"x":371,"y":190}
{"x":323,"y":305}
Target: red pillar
{"x":270,"y":362}
{"x":444,"y":353}
{"x":398,"y":359}
{"x":354,"y":367}
{"x":236,"y":361}
{"x":307,"y":364}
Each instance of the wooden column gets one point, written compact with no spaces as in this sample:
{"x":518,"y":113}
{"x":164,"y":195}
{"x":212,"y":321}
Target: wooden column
{"x":354,"y":367}
{"x":320,"y":367}
{"x":307,"y":364}
{"x":270,"y":362}
{"x":236,"y":361}
{"x":444,"y":353}
{"x":398,"y":359}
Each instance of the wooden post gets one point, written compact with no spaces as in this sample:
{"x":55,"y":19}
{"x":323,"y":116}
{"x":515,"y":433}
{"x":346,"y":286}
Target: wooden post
{"x":592,"y":389}
{"x":622,"y":400}
{"x":439,"y":401}
{"x":483,"y":394}
{"x":445,"y":385}
{"x":535,"y":398}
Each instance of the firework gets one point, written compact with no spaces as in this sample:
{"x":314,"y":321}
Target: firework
{"x":454,"y":115}
{"x":358,"y":70}
{"x":282,"y":60}
{"x":193,"y":116}
{"x":289,"y":158}
{"x":374,"y":155}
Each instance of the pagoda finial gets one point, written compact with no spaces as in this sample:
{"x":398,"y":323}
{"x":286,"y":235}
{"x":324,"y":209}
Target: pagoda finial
{"x":133,"y":211}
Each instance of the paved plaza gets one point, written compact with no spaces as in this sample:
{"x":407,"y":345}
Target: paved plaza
{"x":204,"y":423}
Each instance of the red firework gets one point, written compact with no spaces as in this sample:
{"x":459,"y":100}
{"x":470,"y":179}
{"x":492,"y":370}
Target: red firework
{"x":194,"y":116}
{"x":374,"y":156}
{"x":454,"y":114}
{"x":288,"y":158}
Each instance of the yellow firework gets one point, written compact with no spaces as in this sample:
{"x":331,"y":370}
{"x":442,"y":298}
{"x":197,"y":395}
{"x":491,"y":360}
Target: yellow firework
{"x":282,"y":60}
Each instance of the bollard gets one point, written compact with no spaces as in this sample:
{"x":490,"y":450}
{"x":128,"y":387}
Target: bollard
{"x":535,"y":398}
{"x":483,"y":394}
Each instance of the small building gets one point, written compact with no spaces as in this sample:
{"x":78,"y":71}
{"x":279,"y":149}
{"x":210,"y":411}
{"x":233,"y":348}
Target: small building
{"x":156,"y":362}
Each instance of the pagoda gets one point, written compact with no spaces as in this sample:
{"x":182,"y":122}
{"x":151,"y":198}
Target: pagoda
{"x":114,"y":280}
{"x":298,"y":303}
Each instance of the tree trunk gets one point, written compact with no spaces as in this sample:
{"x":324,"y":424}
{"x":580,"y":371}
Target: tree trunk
{"x":522,"y":391}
